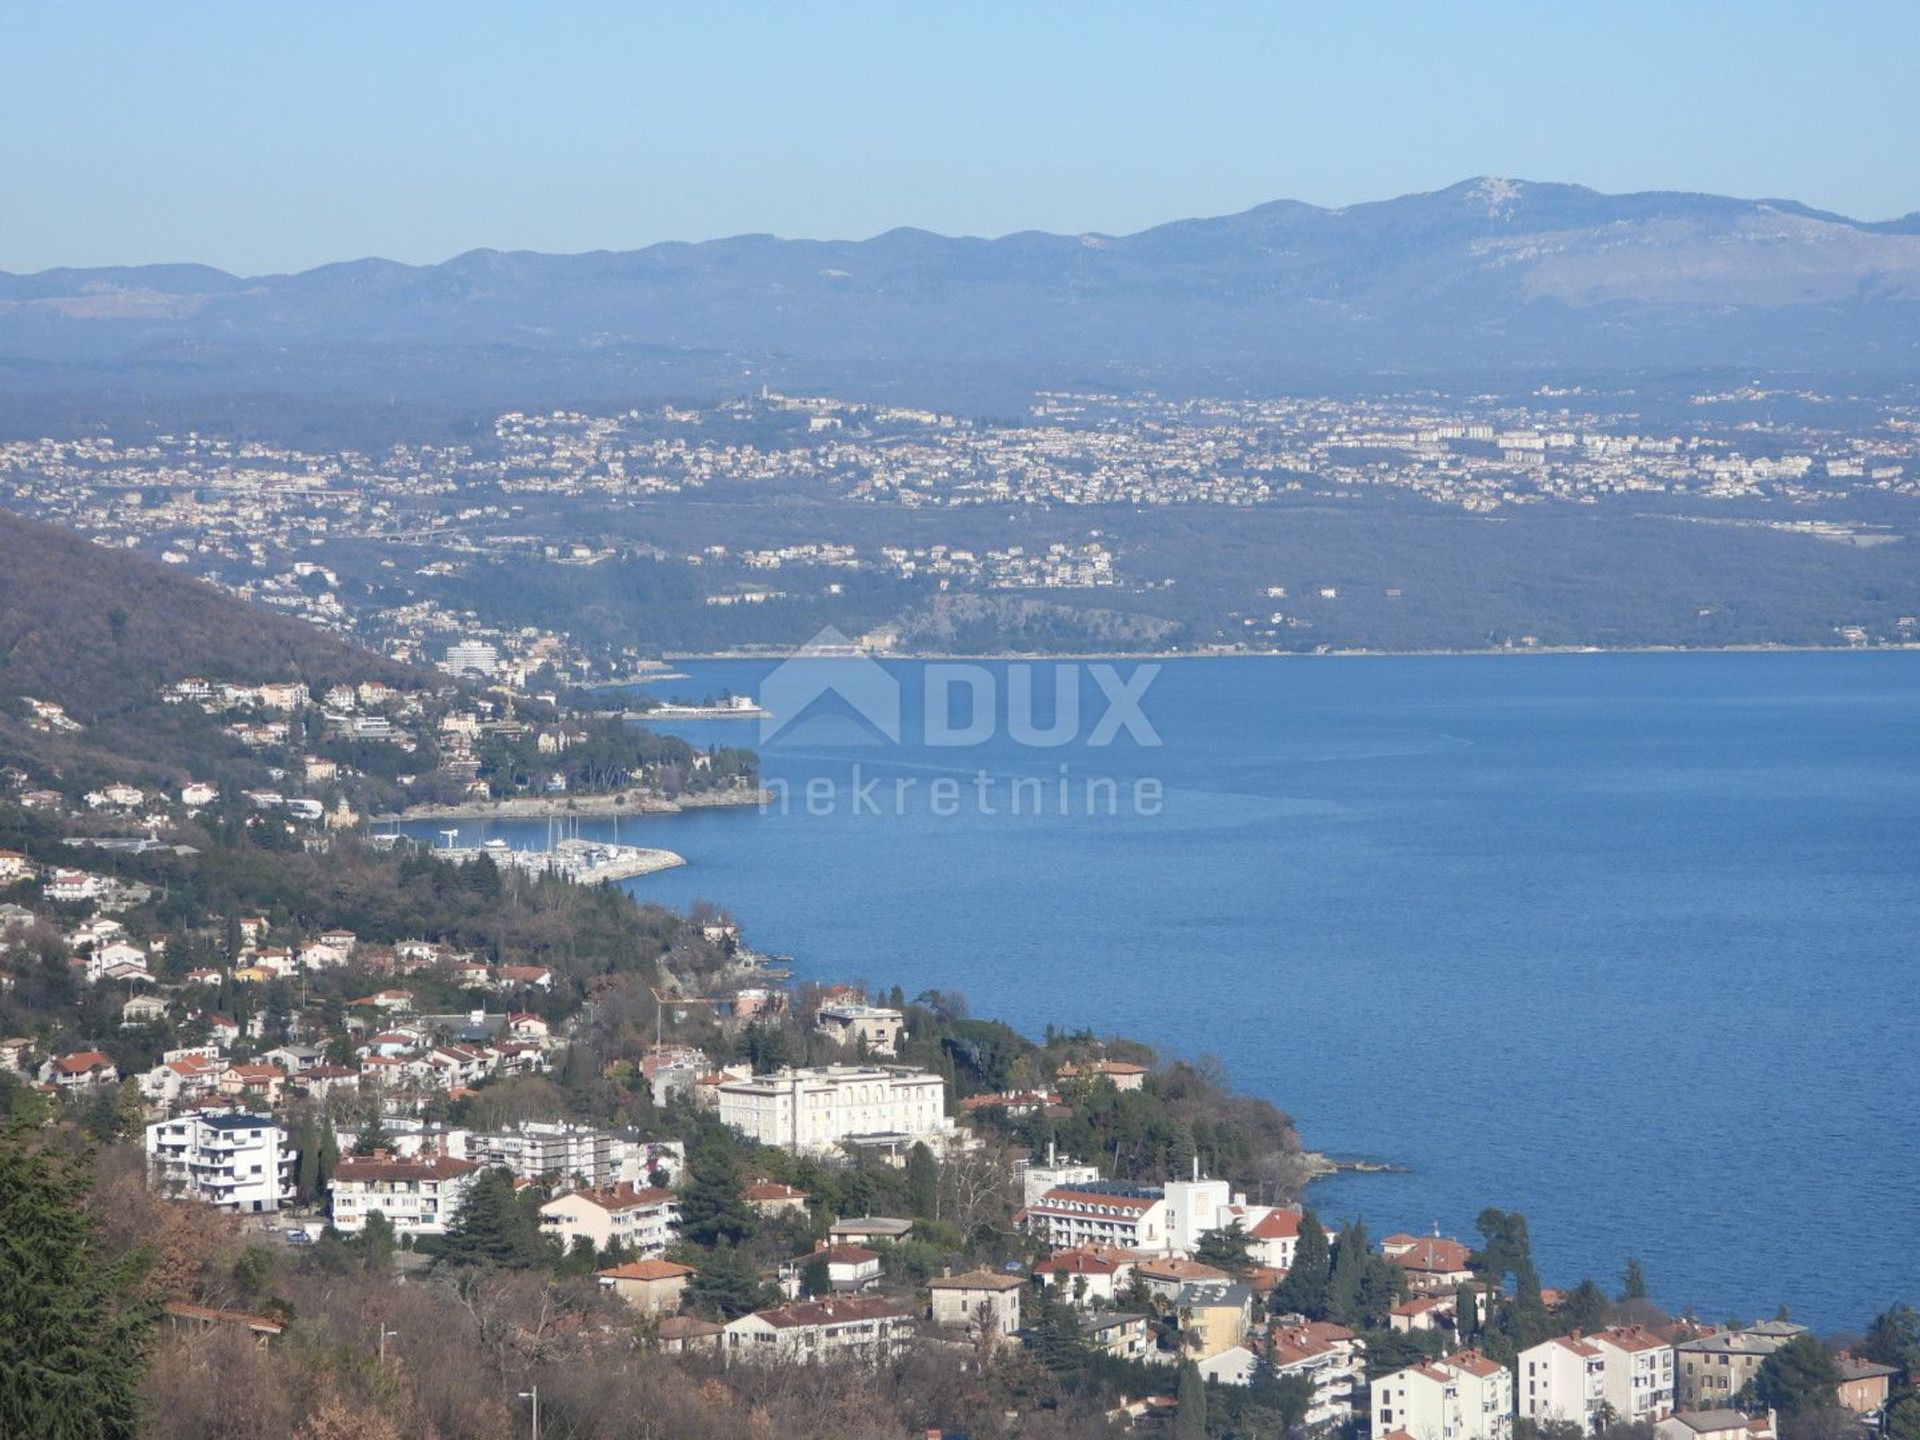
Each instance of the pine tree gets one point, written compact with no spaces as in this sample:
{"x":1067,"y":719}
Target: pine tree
{"x":74,"y":1372}
{"x":373,"y":1135}
{"x":711,"y":1209}
{"x":329,"y":1158}
{"x":1586,"y":1307}
{"x":725,"y":1284}
{"x":1800,"y":1376}
{"x":493,"y":1227}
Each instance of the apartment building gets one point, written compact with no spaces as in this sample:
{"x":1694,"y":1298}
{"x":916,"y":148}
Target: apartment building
{"x":818,"y":1108}
{"x":236,"y":1162}
{"x":1464,"y":1397}
{"x":853,"y":1327}
{"x":1563,"y":1379}
{"x":1104,"y":1212}
{"x":420,"y":1196}
{"x":1710,"y":1370}
{"x":1638,"y":1375}
{"x":641,"y":1219}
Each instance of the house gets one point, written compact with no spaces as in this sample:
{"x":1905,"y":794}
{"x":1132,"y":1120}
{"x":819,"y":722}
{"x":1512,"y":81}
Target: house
{"x":535,"y":977}
{"x":1864,"y":1384}
{"x":143,"y":1010}
{"x":1463,"y":1397}
{"x":233,"y":1161}
{"x":1087,"y":1273}
{"x":1124,"y":1076}
{"x":1122,"y":1335}
{"x":644,"y":1220}
{"x":254,"y":1082}
{"x":1167,"y":1275}
{"x":182,"y":1079}
{"x":14,"y":1054}
{"x":1715,"y":1425}
{"x":1432,"y":1262}
{"x":770,"y":1199}
{"x":1709,"y":1370}
{"x":14,"y":867}
{"x":70,"y":886}
{"x":866,"y":1229}
{"x":849,"y":1267}
{"x":420,"y":1196}
{"x":869,"y":1028}
{"x":393,"y":1002}
{"x":1273,"y":1235}
{"x":852,"y":1327}
{"x":195,"y":794}
{"x":1422,"y":1312}
{"x":980,"y":1300}
{"x":653,"y":1287}
{"x":80,"y":1070}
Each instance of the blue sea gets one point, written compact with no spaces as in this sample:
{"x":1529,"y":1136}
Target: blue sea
{"x":1625,"y":942}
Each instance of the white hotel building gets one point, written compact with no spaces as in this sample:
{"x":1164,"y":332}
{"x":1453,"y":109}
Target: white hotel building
{"x":818,"y":1109}
{"x":237,"y":1162}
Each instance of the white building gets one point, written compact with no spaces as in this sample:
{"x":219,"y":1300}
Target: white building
{"x":642,"y":1220}
{"x":849,"y":1327}
{"x":1464,"y":1397}
{"x":1639,"y":1373}
{"x":471,"y":657}
{"x":1562,"y":1379}
{"x":419,"y":1196}
{"x":237,"y":1162}
{"x":1107,"y":1212}
{"x":816,"y":1109}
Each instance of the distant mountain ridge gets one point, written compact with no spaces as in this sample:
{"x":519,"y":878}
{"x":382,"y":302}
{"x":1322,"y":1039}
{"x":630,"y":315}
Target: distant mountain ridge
{"x":1489,"y":274}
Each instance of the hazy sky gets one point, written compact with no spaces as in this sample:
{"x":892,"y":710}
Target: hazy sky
{"x":279,"y":134}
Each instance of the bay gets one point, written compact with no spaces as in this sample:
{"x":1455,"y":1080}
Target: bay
{"x":1622,"y":941}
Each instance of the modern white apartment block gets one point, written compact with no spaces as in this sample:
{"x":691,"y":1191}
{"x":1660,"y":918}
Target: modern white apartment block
{"x":1101,"y":1212}
{"x":1563,"y":1379}
{"x":1639,"y":1373}
{"x":420,"y":1196}
{"x":1464,"y":1397}
{"x":817,"y":1109}
{"x":237,"y":1162}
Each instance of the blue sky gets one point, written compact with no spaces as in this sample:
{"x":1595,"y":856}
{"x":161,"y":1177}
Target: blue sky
{"x":275,"y":135}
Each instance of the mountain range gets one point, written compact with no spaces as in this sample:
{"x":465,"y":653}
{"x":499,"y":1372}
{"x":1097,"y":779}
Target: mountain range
{"x":1486,"y":277}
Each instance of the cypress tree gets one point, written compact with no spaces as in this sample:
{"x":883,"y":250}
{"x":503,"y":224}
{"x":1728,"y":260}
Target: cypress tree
{"x":1305,"y":1287}
{"x":1190,"y":1416}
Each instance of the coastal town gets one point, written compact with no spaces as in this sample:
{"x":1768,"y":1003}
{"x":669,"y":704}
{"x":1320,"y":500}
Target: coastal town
{"x":418,"y":547}
{"x":360,"y":1055}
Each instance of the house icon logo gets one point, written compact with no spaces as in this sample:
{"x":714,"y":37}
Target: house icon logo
{"x":830,"y":693}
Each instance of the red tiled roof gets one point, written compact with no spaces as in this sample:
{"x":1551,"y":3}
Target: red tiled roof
{"x":647,"y":1270}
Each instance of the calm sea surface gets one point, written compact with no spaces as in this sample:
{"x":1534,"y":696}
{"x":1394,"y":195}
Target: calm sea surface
{"x":1624,"y":942}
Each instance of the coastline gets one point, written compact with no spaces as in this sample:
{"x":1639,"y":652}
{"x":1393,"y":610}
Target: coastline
{"x":1330,"y":653}
{"x":627,"y":802}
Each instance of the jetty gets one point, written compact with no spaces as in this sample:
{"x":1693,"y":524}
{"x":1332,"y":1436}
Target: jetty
{"x":585,"y":862}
